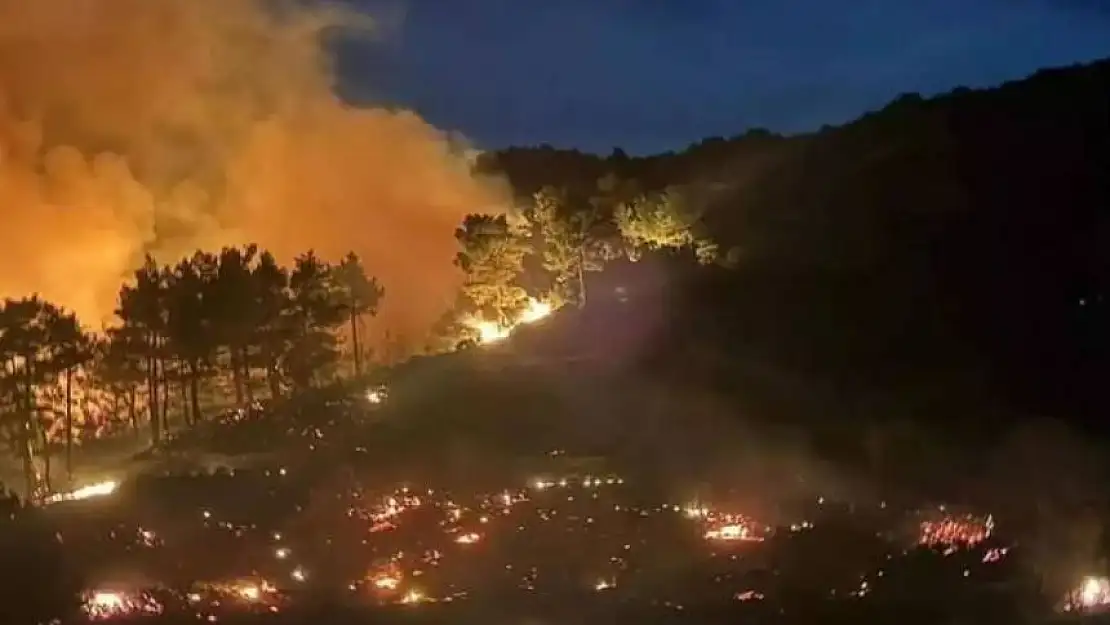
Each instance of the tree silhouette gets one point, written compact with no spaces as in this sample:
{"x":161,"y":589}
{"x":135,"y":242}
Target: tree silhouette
{"x":118,"y":369}
{"x":317,"y":309}
{"x":190,"y":324}
{"x":234,"y":322}
{"x":361,"y":296}
{"x":25,"y":350}
{"x":143,"y":315}
{"x":271,"y":303}
{"x":71,"y":348}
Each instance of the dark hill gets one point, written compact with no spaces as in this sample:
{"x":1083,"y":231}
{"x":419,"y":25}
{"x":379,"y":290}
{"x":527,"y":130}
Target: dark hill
{"x":939,"y":252}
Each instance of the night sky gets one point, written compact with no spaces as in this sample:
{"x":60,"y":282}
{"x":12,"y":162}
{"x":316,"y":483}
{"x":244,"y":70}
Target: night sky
{"x":651,"y":75}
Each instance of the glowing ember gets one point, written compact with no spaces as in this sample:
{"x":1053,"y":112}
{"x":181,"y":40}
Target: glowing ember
{"x":413,"y":596}
{"x":386,"y":582}
{"x":419,"y":539}
{"x":965,"y":531}
{"x":387,"y":578}
{"x":107,"y":600}
{"x":722,"y":526}
{"x":732,"y":531}
{"x":105,"y":604}
{"x":604,"y":584}
{"x":695,"y":512}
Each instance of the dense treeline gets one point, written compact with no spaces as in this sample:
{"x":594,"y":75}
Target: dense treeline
{"x":237,"y":314}
{"x":956,"y":245}
{"x":558,"y":237}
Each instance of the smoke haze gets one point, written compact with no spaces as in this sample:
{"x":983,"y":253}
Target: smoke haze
{"x":161,"y":126}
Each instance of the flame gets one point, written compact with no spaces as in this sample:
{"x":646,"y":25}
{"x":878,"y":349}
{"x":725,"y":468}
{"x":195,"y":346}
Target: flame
{"x":468,"y":539}
{"x":733,"y":531}
{"x":100,"y":489}
{"x":492,"y":332}
{"x":1093,"y":593}
{"x":107,"y":600}
{"x":386,"y":582}
{"x":536,"y":310}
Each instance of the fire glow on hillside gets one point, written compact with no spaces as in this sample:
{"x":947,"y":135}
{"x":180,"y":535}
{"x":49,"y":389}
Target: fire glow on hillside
{"x":492,"y":332}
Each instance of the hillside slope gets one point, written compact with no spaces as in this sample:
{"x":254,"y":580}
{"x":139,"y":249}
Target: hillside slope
{"x":955,"y":244}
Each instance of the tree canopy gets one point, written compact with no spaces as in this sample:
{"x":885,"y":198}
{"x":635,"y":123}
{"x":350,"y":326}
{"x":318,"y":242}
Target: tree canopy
{"x":185,"y":331}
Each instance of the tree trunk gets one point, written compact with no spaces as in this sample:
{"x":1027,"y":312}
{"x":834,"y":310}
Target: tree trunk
{"x":47,"y":466}
{"x":69,"y":423}
{"x":581,"y":279}
{"x":155,"y":420}
{"x":355,"y":344}
{"x":245,"y":359}
{"x":165,"y":381}
{"x":116,"y":401}
{"x":27,"y":436}
{"x":237,"y":375}
{"x":27,"y":456}
{"x":31,"y":431}
{"x":132,"y":410}
{"x":194,"y":392}
{"x":273,"y":376}
{"x":184,"y":382}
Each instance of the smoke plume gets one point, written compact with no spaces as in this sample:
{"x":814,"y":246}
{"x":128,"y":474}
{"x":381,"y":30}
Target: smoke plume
{"x":163,"y":126}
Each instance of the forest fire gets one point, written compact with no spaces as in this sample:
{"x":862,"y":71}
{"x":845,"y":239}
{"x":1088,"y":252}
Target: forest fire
{"x":492,"y":332}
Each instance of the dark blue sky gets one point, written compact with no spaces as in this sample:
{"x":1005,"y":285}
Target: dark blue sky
{"x":651,"y":75}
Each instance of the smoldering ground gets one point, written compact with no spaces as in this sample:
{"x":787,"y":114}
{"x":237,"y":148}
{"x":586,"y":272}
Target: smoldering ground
{"x":131,"y":126}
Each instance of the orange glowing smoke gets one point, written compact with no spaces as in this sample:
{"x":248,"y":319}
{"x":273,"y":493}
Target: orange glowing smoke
{"x":132,"y":126}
